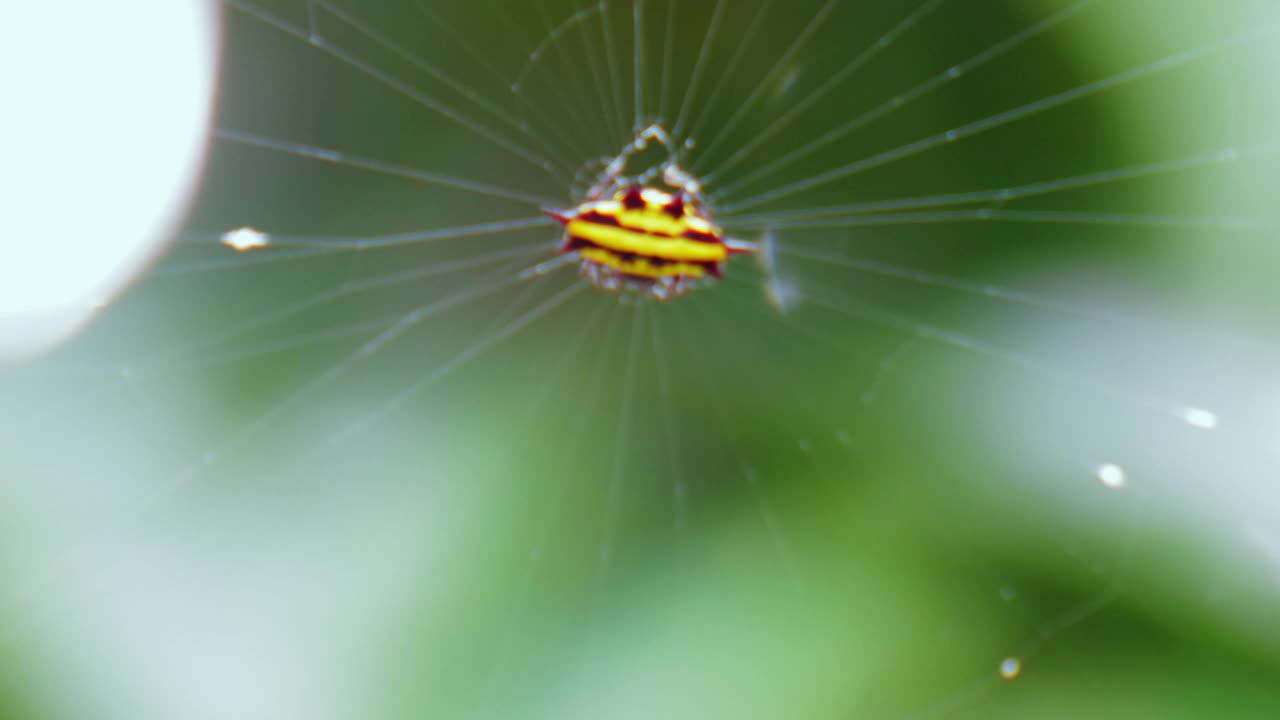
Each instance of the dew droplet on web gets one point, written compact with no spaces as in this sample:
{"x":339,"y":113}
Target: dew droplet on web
{"x":1111,"y":476}
{"x":1200,"y":418}
{"x":245,"y":239}
{"x":1010,"y":668}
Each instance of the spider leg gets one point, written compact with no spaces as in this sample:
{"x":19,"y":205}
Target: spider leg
{"x":564,"y":216}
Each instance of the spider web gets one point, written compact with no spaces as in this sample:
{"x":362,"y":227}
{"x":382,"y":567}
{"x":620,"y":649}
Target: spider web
{"x":1008,"y":447}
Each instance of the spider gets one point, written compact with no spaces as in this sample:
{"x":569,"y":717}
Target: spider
{"x":630,"y":235}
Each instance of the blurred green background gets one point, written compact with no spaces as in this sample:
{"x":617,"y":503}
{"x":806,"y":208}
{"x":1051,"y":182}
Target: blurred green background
{"x":220,"y":506}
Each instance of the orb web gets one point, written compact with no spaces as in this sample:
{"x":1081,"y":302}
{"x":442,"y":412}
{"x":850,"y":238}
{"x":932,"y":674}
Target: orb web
{"x":990,"y":428}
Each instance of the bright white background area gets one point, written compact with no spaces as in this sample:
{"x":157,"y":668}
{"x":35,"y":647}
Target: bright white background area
{"x":106,"y":113}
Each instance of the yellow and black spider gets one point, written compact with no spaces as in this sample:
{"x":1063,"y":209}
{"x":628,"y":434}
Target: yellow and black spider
{"x":630,"y":235}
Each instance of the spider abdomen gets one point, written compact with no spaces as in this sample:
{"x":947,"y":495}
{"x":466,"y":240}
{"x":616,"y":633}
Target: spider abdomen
{"x":646,"y":239}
